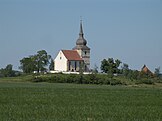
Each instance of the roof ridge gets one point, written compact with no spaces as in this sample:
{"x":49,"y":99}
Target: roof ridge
{"x":72,"y":55}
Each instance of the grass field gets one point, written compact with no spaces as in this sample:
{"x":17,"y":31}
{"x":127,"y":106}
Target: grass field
{"x":25,"y":101}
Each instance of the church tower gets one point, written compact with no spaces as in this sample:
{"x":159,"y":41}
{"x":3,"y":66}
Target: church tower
{"x":82,"y":49}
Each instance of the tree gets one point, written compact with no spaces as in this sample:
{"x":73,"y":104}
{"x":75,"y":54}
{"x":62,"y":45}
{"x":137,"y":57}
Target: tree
{"x":157,"y":72}
{"x":117,"y":64}
{"x":133,"y":74}
{"x":125,"y":69}
{"x":28,"y":64}
{"x":110,"y":66}
{"x":36,"y":62}
{"x":51,"y":66}
{"x":7,"y":72}
{"x":104,"y":65}
{"x":95,"y":69}
{"x":42,"y":60}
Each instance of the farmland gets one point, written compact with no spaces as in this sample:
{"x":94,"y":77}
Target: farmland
{"x":27,"y":101}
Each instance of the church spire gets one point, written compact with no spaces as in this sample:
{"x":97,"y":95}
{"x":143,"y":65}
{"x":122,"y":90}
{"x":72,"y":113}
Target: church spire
{"x":81,"y":29}
{"x":82,"y":49}
{"x":81,"y":40}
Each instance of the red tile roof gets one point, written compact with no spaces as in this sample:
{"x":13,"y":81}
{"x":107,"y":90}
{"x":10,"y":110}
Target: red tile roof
{"x":146,"y":70}
{"x":72,"y":55}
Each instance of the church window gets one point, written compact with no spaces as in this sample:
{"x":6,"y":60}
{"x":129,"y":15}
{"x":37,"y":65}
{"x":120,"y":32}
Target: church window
{"x":69,"y":65}
{"x":85,"y":52}
{"x":75,"y":65}
{"x":60,"y":58}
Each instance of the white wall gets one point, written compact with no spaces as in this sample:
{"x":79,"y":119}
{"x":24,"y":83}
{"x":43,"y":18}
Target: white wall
{"x":60,"y":62}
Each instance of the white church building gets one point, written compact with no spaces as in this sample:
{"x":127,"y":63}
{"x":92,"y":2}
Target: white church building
{"x":75,"y":59}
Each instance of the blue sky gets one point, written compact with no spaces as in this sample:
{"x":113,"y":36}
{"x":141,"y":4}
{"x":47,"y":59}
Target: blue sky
{"x":129,"y":30}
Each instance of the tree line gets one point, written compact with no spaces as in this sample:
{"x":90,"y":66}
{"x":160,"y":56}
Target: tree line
{"x":33,"y":63}
{"x":41,"y":62}
{"x":111,"y":68}
{"x":9,"y":72}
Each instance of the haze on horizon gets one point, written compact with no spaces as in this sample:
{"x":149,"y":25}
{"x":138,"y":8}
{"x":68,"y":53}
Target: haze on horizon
{"x":128,"y":30}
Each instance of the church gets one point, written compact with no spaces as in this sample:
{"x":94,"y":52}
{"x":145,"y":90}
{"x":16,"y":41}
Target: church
{"x":75,"y":59}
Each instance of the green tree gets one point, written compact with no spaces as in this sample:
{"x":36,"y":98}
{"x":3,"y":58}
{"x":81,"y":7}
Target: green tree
{"x":110,"y":66}
{"x":51,"y":66}
{"x":116,"y":65}
{"x":95,"y":69}
{"x":42,"y":60}
{"x":134,"y":75}
{"x":28,"y":64}
{"x":125,"y":69}
{"x":37,"y":62}
{"x":8,"y":71}
{"x":157,"y":72}
{"x":104,"y":65}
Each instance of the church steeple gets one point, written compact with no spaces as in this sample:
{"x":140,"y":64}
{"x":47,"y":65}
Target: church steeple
{"x":81,"y":40}
{"x":82,"y":49}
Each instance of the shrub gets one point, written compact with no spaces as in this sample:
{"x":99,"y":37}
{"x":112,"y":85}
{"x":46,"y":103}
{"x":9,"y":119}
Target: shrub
{"x":158,"y":80}
{"x":37,"y":79}
{"x":88,"y":79}
{"x":115,"y":82}
{"x":105,"y":80}
{"x":71,"y":78}
{"x":145,"y":81}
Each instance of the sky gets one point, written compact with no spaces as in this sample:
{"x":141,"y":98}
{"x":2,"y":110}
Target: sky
{"x":128,"y":30}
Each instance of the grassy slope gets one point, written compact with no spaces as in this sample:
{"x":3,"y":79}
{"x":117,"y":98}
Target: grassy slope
{"x":74,"y":102}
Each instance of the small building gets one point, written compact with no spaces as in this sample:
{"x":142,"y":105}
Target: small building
{"x":75,"y":59}
{"x":146,"y":70}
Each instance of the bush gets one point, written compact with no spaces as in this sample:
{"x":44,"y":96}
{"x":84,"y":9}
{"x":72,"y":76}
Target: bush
{"x":145,"y":81}
{"x":71,"y":78}
{"x":158,"y":80}
{"x":37,"y":79}
{"x":88,"y":79}
{"x":105,"y":80}
{"x":115,"y":82}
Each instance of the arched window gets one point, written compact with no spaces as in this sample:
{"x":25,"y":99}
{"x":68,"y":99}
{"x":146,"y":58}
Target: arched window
{"x":69,"y":65}
{"x":85,"y":52}
{"x":75,"y":65}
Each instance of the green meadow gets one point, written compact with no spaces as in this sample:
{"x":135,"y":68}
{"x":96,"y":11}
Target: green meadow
{"x":27,"y":101}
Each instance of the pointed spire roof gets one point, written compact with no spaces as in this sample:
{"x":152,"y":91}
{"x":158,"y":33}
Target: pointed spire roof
{"x":81,"y":40}
{"x":81,"y":29}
